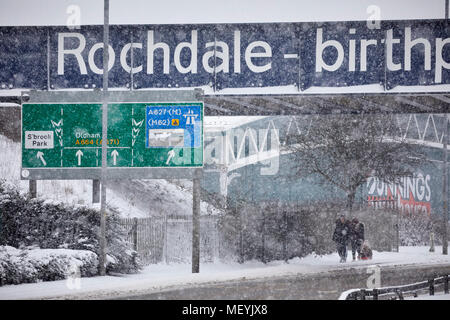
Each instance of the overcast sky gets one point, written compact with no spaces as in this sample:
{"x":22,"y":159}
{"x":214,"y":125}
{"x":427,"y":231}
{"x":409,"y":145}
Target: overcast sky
{"x":54,"y":12}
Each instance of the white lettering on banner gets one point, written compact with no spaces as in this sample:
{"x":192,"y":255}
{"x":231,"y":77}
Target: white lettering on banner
{"x":192,"y":46}
{"x":390,"y":41}
{"x":256,"y":49}
{"x":151,"y":47}
{"x":237,"y":51}
{"x":364,"y":44}
{"x":258,"y":55}
{"x":76,"y":52}
{"x":249,"y":54}
{"x":320,"y":47}
{"x":352,"y":52}
{"x":440,"y":62}
{"x":92,"y":65}
{"x":222,"y":55}
{"x":123,"y":58}
{"x":411,"y":43}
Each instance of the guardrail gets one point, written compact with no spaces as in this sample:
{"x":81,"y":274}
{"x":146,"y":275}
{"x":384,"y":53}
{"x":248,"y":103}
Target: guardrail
{"x":398,"y":291}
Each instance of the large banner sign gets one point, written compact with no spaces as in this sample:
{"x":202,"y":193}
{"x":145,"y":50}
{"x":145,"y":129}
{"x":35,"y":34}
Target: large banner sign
{"x":409,"y":195}
{"x":226,"y":58}
{"x":420,"y":193}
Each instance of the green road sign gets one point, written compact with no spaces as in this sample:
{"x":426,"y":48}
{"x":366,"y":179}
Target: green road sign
{"x":139,"y":135}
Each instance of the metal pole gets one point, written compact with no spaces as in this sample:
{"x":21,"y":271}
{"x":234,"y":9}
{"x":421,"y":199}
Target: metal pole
{"x":102,"y":257}
{"x":196,"y":225}
{"x":444,"y":189}
{"x":32,"y":188}
{"x":95,"y":191}
{"x":446,"y":9}
{"x":445,"y":178}
{"x":397,"y":227}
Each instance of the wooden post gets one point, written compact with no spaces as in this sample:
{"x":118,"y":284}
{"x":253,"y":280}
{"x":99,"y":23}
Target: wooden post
{"x":431,"y":285}
{"x":241,"y":238}
{"x":95,"y":191}
{"x":432,"y":242}
{"x":33,"y":188}
{"x":375,"y":294}
{"x":397,"y":228}
{"x":446,"y":284}
{"x":285,"y":236}
{"x":196,"y":226}
{"x":263,"y":237}
{"x":362,"y":294}
{"x":135,"y":233}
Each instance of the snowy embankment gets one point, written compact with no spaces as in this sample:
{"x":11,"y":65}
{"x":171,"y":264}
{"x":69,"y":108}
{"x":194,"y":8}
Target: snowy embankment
{"x":130,"y":198}
{"x":163,"y":276}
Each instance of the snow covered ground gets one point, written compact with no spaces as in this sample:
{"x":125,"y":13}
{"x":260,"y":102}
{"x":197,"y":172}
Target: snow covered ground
{"x":160,"y":276}
{"x":165,"y":196}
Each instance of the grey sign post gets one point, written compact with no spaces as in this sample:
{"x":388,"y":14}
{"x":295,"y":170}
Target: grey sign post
{"x":445,"y":171}
{"x":102,"y":258}
{"x":445,"y":187}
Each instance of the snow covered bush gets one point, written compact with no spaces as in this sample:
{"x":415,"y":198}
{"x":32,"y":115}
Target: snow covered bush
{"x":49,"y":225}
{"x":34,"y":265}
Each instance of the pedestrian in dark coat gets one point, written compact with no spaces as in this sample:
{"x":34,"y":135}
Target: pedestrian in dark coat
{"x":356,"y":237}
{"x":341,"y":236}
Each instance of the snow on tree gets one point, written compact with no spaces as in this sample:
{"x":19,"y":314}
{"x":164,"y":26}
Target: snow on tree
{"x":344,"y":150}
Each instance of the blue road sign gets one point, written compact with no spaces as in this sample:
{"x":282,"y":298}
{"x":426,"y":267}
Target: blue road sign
{"x":173,"y":126}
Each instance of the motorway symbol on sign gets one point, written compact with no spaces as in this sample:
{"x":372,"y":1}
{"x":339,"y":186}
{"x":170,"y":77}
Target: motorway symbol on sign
{"x":71,"y":135}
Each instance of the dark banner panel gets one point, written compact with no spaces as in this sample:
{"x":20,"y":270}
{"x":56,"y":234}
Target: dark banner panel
{"x":296,"y":56}
{"x":23,"y":58}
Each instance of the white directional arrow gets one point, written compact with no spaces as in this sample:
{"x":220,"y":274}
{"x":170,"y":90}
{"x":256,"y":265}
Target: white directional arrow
{"x":171,"y":154}
{"x":79,"y":154}
{"x":114,"y":154}
{"x":40,"y":155}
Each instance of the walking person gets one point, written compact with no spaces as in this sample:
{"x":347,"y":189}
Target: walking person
{"x":356,"y":237}
{"x":341,"y":236}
